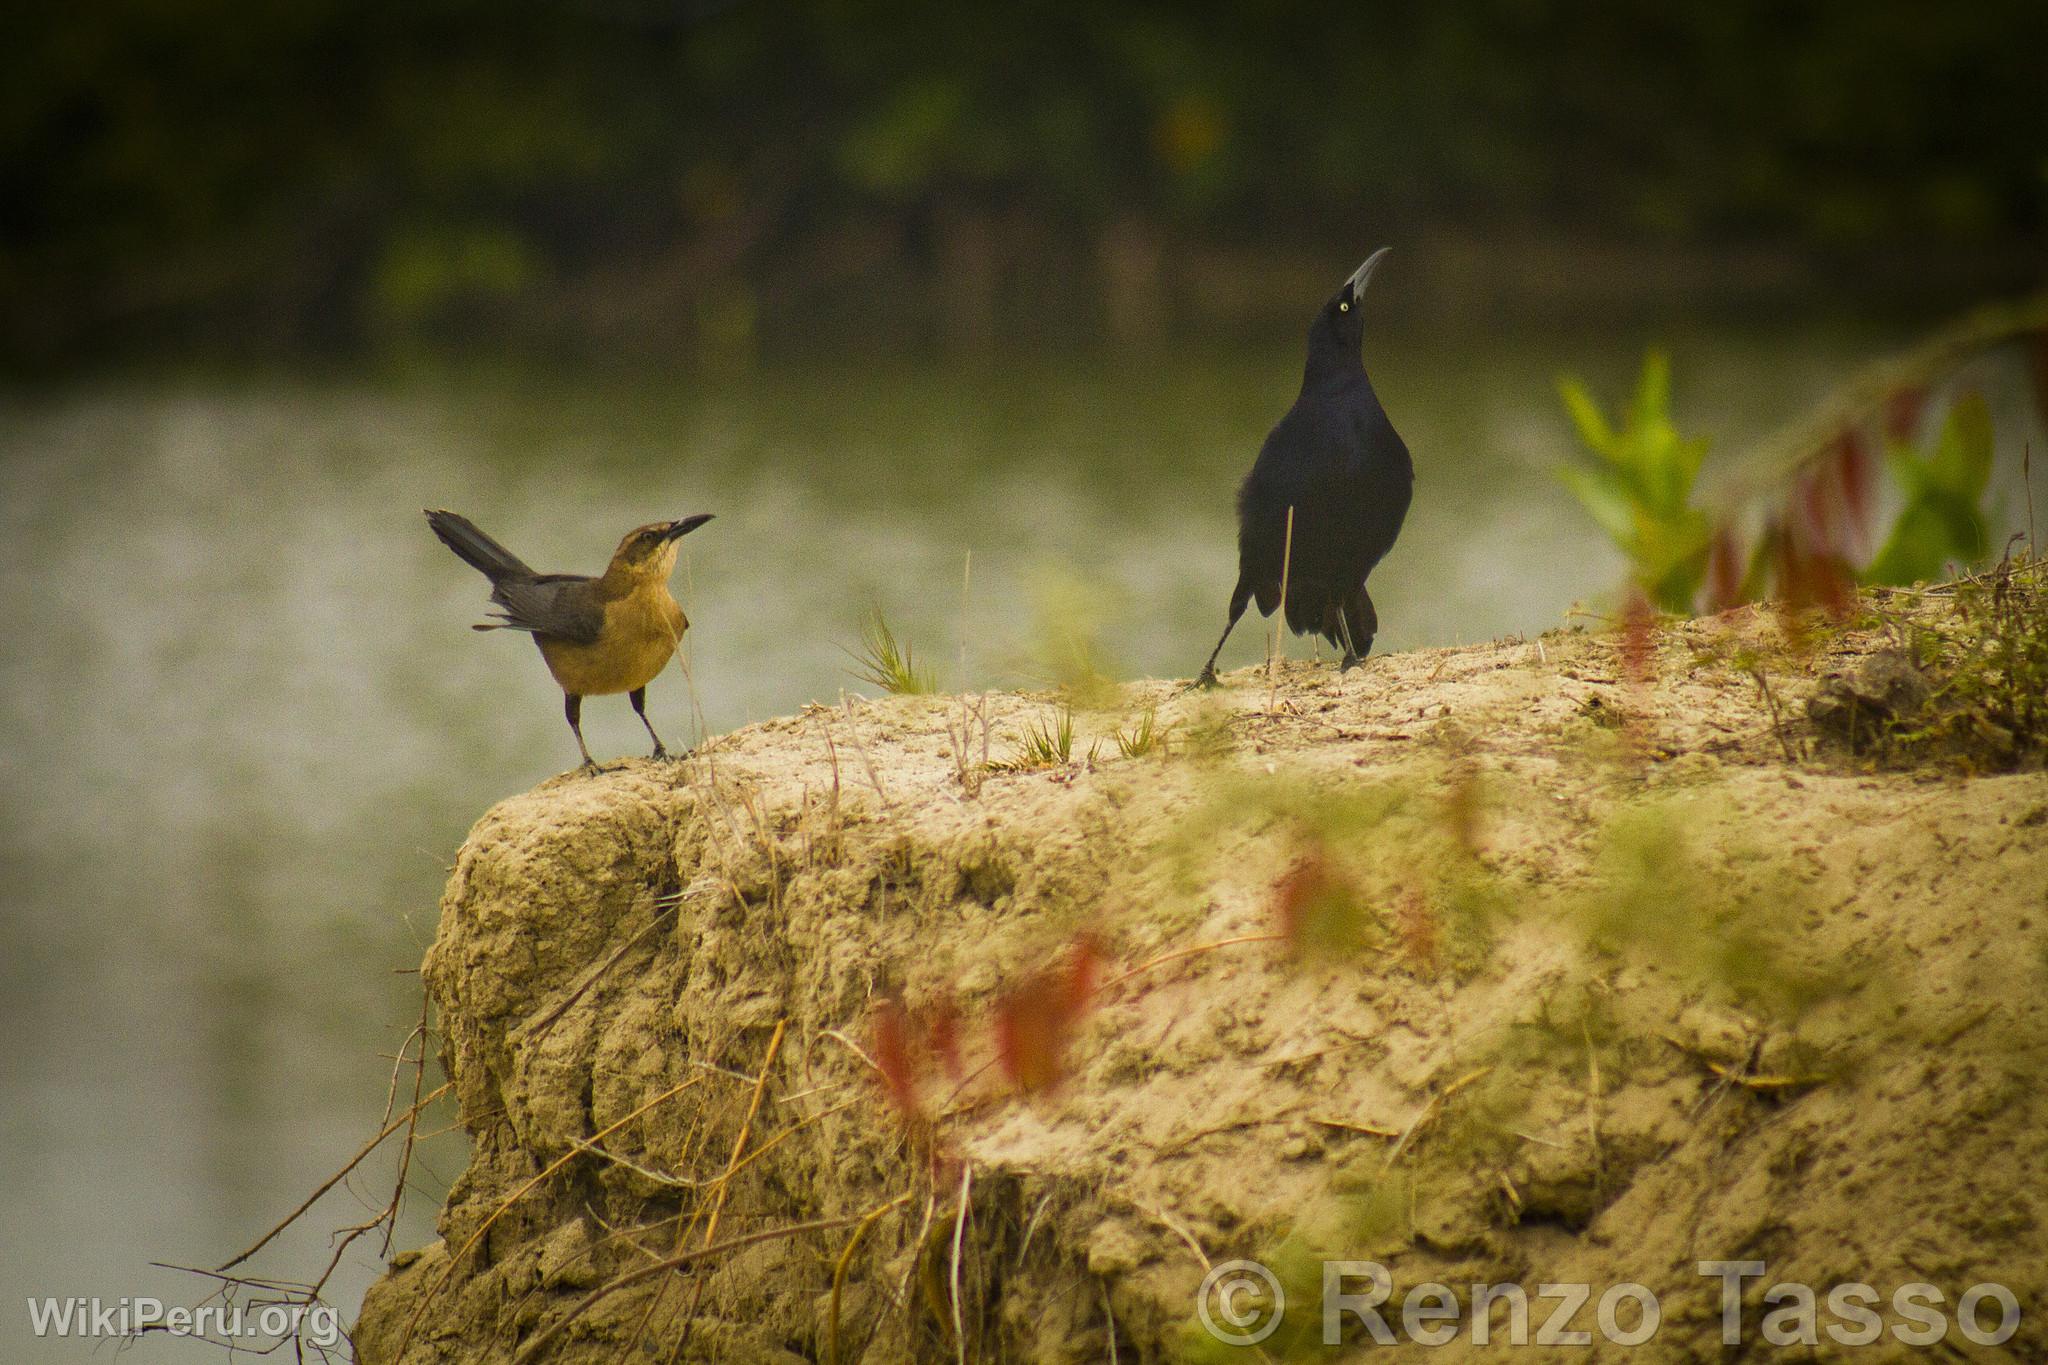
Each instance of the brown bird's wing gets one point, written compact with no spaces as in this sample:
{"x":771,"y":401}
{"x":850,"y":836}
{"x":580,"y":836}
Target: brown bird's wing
{"x":560,"y":606}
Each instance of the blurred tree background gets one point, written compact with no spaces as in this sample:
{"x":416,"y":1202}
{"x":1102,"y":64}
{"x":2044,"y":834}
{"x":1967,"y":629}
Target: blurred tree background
{"x":263,"y":177}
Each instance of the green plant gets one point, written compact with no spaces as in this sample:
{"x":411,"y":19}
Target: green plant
{"x":887,"y":662}
{"x":1142,"y":738}
{"x":1046,"y":743}
{"x":1068,"y":618}
{"x":1942,"y":521}
{"x":1639,"y":485}
{"x":1982,"y":670}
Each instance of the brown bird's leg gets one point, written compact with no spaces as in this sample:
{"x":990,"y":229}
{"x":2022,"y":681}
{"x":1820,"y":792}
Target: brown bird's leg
{"x":638,"y":696}
{"x":572,"y":707}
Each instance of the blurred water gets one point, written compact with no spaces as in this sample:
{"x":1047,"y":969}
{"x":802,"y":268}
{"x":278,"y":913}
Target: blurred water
{"x":246,"y":725}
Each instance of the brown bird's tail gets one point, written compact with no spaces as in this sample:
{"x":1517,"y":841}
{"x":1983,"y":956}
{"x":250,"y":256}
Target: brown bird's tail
{"x":477,"y":550}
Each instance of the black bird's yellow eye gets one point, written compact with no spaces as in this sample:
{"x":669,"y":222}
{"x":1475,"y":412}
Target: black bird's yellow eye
{"x":1344,"y":307}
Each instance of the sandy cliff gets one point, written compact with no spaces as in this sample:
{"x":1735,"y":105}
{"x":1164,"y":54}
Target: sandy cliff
{"x":1584,"y":978}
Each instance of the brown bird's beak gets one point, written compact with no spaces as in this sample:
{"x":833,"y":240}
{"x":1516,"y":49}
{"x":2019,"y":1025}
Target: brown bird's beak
{"x":678,"y":529}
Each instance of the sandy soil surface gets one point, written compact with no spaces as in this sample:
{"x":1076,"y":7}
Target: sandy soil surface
{"x":1557,"y":967}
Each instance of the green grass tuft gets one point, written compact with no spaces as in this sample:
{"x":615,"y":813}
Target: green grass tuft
{"x":1143,"y":738}
{"x":1046,"y":743}
{"x":888,"y":663}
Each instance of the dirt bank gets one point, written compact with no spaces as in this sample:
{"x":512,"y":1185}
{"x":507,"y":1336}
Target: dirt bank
{"x":1582,"y":978}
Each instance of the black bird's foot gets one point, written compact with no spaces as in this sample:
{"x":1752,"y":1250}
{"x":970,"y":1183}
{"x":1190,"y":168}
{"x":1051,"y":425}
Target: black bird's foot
{"x":1351,"y":661}
{"x":1206,"y":682}
{"x":660,"y":751}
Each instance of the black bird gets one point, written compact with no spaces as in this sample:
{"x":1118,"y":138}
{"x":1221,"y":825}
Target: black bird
{"x":612,"y":633}
{"x":1335,"y":460}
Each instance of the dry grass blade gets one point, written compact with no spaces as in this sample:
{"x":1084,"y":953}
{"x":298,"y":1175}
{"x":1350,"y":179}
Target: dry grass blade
{"x":440,"y":1281}
{"x":1371,"y":1130}
{"x":1278,"y":653}
{"x":860,"y":1230}
{"x":959,"y":1236}
{"x":1180,"y":953}
{"x":535,"y":1348}
{"x":739,"y":1145}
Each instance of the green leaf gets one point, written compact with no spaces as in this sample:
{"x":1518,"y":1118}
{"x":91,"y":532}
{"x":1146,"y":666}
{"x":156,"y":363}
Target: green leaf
{"x":1586,"y":416}
{"x":1962,"y":459}
{"x":1942,"y":522}
{"x":1605,"y":501}
{"x":1653,"y":392}
{"x":1641,"y":492}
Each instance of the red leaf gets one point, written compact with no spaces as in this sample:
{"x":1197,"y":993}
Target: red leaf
{"x":1638,"y":636}
{"x":1035,"y":1021}
{"x":1724,"y":570}
{"x":892,"y":1058}
{"x":1852,"y":477}
{"x":1902,"y":408}
{"x":1084,"y":967}
{"x":1811,"y":574}
{"x":945,"y":1038}
{"x":1304,"y":887}
{"x":1417,"y":927}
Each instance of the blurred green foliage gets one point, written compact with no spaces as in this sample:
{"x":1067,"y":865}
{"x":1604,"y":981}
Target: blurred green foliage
{"x":1942,"y":522}
{"x":317,"y":173}
{"x":1639,"y":488}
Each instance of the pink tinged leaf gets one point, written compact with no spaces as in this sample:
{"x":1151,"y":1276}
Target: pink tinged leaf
{"x":1638,"y":635}
{"x":1724,"y":570}
{"x":945,"y":1038}
{"x":1852,"y":475}
{"x":892,"y":1058}
{"x":1902,"y":409}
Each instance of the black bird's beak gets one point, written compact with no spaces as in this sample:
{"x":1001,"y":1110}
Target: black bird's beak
{"x":1356,"y":284}
{"x":678,"y":529}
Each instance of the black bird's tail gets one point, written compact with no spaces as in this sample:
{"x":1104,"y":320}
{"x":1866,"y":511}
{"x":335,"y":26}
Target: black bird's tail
{"x":1308,"y":611}
{"x":478,"y":550}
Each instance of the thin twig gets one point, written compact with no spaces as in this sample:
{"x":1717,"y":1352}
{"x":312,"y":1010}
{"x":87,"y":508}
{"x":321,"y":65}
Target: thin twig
{"x":546,"y":1336}
{"x":447,"y":1271}
{"x":1178,"y":954}
{"x":540,"y":1027}
{"x":334,"y":1179}
{"x":412,"y":1128}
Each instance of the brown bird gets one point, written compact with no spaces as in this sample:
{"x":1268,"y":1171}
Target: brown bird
{"x":612,"y":633}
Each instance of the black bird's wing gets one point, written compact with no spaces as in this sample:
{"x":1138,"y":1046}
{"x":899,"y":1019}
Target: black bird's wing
{"x":1346,"y":474}
{"x":561,"y":606}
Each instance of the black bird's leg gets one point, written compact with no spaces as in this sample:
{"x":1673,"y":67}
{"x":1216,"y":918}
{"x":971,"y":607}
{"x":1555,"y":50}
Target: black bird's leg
{"x":572,"y":707}
{"x":1360,"y":624}
{"x":1208,"y":674}
{"x":638,"y":696}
